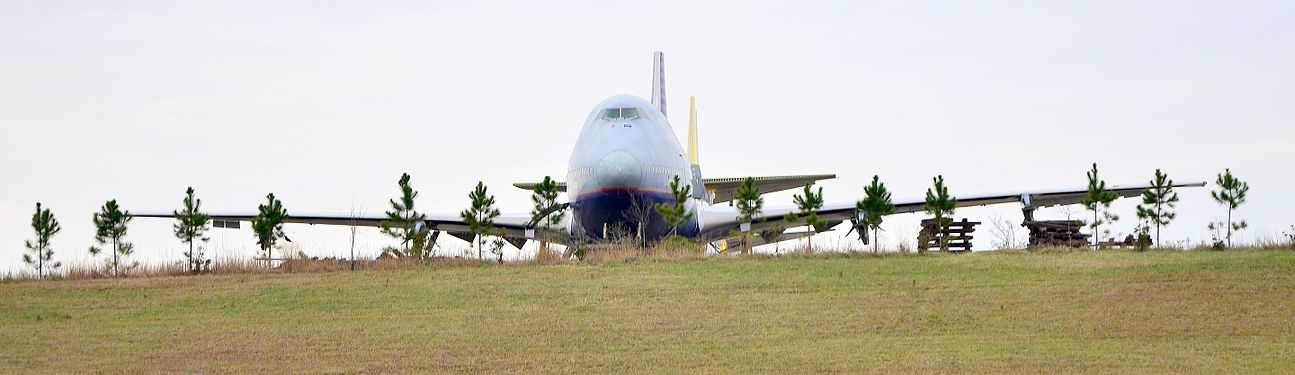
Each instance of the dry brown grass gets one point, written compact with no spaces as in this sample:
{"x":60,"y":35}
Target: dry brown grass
{"x":625,"y":252}
{"x":548,"y":254}
{"x":299,"y":262}
{"x":1283,"y":241}
{"x":241,"y":265}
{"x":308,"y":265}
{"x":220,"y":266}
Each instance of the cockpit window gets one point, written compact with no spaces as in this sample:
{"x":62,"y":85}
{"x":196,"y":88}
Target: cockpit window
{"x":619,"y":113}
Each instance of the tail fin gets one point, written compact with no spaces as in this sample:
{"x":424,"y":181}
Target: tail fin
{"x":699,"y":189}
{"x":658,"y":81}
{"x":692,"y":129}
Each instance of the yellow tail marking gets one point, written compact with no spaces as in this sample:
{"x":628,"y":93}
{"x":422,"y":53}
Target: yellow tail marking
{"x":692,"y":129}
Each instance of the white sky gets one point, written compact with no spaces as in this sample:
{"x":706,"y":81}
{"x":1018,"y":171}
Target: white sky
{"x":325,"y":105}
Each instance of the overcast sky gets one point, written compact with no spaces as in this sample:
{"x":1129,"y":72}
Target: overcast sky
{"x":325,"y":105}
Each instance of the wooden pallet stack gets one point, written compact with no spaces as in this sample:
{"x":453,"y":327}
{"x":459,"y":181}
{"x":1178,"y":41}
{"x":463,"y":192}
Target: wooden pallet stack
{"x":1056,"y":233}
{"x":958,"y":233}
{"x":1128,"y":243}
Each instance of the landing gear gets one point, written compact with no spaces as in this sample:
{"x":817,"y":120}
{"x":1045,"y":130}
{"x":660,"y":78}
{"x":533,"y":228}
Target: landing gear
{"x":856,"y":224}
{"x":1027,"y":208}
{"x":862,"y":229}
{"x":578,"y":246}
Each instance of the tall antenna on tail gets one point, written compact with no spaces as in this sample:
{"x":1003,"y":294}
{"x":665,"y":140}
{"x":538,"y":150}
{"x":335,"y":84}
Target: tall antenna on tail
{"x":658,"y":81}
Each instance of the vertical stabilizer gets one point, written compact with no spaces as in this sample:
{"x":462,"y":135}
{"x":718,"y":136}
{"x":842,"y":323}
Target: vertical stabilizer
{"x":692,"y":129}
{"x":698,"y":188}
{"x":658,"y":81}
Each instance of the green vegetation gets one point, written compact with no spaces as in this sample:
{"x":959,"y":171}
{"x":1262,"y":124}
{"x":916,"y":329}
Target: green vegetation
{"x":876,"y":204}
{"x":268,"y":226}
{"x":941,"y":205}
{"x":1290,"y":237}
{"x":547,"y":212}
{"x":809,"y":202}
{"x":675,"y":213}
{"x":776,"y":230}
{"x":191,"y":225}
{"x":749,"y":204}
{"x":1011,"y":312}
{"x":1231,"y":194}
{"x":1099,"y":202}
{"x":41,"y":256}
{"x":110,"y":227}
{"x":403,"y":222}
{"x":749,"y":200}
{"x":480,"y":217}
{"x":1158,"y":203}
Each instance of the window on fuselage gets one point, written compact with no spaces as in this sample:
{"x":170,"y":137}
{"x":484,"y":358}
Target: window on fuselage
{"x":619,"y":113}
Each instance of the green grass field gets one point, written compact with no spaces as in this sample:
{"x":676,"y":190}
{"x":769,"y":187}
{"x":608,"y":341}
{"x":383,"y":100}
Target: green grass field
{"x":1158,"y":311}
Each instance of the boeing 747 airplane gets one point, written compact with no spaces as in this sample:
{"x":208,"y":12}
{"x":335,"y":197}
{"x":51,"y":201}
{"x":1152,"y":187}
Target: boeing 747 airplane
{"x":623,"y":163}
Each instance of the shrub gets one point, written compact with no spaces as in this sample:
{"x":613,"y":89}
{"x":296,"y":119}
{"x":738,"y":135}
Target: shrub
{"x":1290,"y":237}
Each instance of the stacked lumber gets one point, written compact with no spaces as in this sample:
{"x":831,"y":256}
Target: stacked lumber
{"x":1056,"y":233}
{"x":1129,"y":242}
{"x":1113,"y":244}
{"x":958,"y":234}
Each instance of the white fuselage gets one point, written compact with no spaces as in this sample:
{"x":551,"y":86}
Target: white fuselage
{"x":624,"y":161}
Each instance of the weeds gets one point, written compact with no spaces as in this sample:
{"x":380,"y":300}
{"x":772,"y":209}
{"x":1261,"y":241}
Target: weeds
{"x":628,"y":251}
{"x":1290,"y":237}
{"x":624,"y":251}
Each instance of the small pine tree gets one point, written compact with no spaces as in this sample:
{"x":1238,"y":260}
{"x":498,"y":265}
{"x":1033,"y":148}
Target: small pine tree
{"x":1143,"y":236}
{"x":110,"y":227}
{"x":809,"y":202}
{"x":1217,"y":240}
{"x":497,"y":245}
{"x":941,"y":205}
{"x":41,"y":257}
{"x":1158,"y":203}
{"x":191,"y":226}
{"x":875,"y":204}
{"x":1099,"y":202}
{"x":547,"y":211}
{"x":1231,"y":194}
{"x":403,"y":220}
{"x":268,"y":226}
{"x":779,"y":227}
{"x":675,"y":213}
{"x":480,"y":217}
{"x":749,"y":205}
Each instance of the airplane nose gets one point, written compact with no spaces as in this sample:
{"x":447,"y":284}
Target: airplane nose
{"x":619,"y":169}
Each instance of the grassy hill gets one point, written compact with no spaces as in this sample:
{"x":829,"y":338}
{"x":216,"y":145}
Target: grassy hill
{"x":1159,"y":311}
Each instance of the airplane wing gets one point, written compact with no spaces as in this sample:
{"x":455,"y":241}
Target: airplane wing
{"x":562,"y":186}
{"x":514,"y":226}
{"x":724,"y":188}
{"x":719,"y":221}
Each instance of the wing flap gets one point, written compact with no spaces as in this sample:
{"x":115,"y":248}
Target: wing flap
{"x":725,"y":188}
{"x":513,"y":225}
